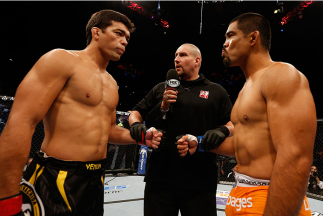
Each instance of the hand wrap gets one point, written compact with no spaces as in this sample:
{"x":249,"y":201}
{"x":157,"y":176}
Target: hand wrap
{"x":213,"y":138}
{"x":162,"y":141}
{"x":138,"y":132}
{"x":11,"y":206}
{"x":192,"y":138}
{"x":189,"y":138}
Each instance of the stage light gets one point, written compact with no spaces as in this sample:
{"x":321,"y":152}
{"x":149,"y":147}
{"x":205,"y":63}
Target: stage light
{"x":296,"y":11}
{"x":155,"y":14}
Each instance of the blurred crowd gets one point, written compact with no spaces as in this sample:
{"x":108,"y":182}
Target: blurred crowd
{"x":4,"y":113}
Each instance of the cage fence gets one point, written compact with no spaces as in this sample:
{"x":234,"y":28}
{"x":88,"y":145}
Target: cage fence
{"x":124,"y":158}
{"x":120,"y":158}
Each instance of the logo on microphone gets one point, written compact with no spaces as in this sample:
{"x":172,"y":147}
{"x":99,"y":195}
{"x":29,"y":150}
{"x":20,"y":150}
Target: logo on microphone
{"x":173,"y":83}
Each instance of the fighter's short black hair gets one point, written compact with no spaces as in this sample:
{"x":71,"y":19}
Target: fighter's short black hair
{"x":249,"y":22}
{"x":103,"y":19}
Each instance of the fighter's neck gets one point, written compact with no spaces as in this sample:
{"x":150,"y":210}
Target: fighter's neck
{"x":93,"y":55}
{"x":255,"y":64}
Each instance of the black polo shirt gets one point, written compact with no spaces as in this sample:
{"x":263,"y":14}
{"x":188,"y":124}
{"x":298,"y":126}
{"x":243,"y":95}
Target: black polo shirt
{"x":201,"y":105}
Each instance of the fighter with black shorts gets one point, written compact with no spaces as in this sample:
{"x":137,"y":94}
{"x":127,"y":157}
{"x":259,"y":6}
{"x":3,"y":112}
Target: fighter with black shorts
{"x":63,"y":187}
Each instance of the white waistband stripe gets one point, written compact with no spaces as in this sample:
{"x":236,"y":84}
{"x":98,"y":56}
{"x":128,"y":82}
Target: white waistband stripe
{"x":247,"y":181}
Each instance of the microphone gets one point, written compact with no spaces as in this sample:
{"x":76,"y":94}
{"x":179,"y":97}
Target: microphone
{"x":172,"y":82}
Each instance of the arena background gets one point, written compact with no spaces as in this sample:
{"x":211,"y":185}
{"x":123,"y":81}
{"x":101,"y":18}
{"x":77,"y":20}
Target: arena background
{"x":30,"y":29}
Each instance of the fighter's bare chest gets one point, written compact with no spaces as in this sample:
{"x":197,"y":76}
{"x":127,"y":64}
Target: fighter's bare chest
{"x":92,"y":89}
{"x":250,"y":105}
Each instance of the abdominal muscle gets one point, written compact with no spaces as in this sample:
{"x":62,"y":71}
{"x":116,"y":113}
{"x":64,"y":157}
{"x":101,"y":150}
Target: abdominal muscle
{"x":77,"y":132}
{"x":254,"y":151}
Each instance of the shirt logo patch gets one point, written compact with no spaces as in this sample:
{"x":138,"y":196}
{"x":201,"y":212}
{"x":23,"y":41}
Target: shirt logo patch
{"x":204,"y":94}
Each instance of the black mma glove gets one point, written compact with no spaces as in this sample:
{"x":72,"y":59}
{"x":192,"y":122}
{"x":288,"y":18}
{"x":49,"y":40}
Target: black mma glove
{"x":11,"y":206}
{"x":138,"y":132}
{"x":214,"y":138}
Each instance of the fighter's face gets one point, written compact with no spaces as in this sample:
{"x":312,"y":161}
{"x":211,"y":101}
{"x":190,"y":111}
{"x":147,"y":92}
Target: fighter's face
{"x":113,"y":40}
{"x":184,"y":61}
{"x":236,"y":46}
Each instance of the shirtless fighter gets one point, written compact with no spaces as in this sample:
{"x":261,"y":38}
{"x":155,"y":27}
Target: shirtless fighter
{"x":275,"y":125}
{"x":76,"y":98}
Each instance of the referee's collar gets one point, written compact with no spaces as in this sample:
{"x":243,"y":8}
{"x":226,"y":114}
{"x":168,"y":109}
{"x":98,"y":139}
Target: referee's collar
{"x":200,"y":79}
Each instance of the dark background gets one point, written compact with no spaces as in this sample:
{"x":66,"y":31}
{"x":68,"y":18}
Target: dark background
{"x":30,"y":29}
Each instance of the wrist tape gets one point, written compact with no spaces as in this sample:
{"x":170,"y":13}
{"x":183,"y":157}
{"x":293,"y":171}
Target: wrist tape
{"x":192,"y":138}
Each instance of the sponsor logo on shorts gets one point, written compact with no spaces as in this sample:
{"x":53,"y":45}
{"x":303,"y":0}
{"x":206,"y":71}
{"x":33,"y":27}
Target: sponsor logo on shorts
{"x":93,"y":166}
{"x":240,"y":203}
{"x":31,"y":204}
{"x":28,"y":191}
{"x":246,"y":181}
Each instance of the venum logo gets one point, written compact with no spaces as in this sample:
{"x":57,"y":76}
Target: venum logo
{"x":93,"y":166}
{"x":173,"y":83}
{"x":239,"y":202}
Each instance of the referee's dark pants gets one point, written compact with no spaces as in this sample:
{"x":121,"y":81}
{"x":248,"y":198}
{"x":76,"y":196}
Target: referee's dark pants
{"x":164,"y":200}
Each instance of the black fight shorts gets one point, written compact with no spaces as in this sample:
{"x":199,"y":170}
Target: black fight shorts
{"x":62,"y":188}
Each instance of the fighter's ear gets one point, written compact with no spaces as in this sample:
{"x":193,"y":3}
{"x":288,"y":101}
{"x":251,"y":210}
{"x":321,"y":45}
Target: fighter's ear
{"x":254,"y":37}
{"x":95,"y":32}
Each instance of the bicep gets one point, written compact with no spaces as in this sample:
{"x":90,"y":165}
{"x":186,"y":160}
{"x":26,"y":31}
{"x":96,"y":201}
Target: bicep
{"x":230,"y":126}
{"x":135,"y":116}
{"x":114,"y":118}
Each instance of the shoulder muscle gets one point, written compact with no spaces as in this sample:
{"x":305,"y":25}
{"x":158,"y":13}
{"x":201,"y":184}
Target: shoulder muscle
{"x":281,"y":81}
{"x":43,"y":83}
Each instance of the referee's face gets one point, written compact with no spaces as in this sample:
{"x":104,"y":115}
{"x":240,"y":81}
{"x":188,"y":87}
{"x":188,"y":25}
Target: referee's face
{"x":184,"y":61}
